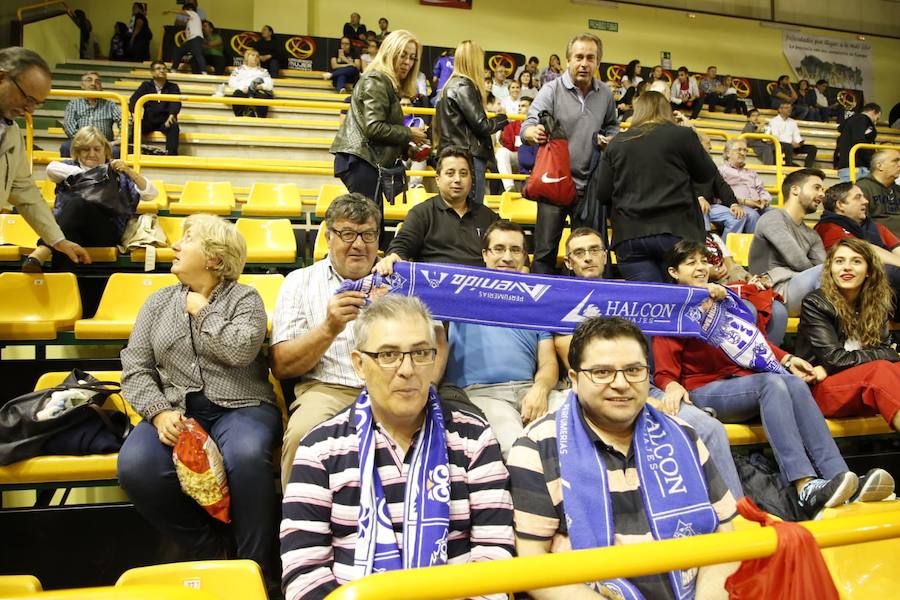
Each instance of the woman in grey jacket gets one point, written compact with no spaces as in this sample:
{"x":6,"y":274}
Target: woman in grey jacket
{"x":460,"y":115}
{"x":196,"y":351}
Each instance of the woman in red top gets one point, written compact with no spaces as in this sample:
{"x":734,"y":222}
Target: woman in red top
{"x":843,"y":330}
{"x":796,"y":429}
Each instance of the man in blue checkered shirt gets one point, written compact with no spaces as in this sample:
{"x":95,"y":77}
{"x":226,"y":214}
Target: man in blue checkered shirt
{"x":82,"y":112}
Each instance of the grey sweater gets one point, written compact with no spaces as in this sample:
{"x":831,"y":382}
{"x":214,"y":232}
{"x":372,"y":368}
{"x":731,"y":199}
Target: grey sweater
{"x":782,"y":248}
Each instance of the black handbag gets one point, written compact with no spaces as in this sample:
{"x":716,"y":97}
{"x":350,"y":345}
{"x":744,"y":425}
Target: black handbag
{"x":81,"y":429}
{"x":391,"y":183}
{"x":99,"y":186}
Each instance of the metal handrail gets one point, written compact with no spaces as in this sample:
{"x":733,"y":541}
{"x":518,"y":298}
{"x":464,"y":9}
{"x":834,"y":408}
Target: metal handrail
{"x":123,"y":105}
{"x":549,"y":570}
{"x":857,"y":147}
{"x":29,"y":141}
{"x":779,"y":159}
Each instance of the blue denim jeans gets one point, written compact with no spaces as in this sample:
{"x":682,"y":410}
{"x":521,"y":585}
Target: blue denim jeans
{"x":247,"y":438}
{"x":721,"y":215}
{"x":796,"y":429}
{"x":641,"y":259}
{"x":844,"y":174}
{"x":479,"y":166}
{"x":799,"y":286}
{"x":712,"y":433}
{"x":341,"y":76}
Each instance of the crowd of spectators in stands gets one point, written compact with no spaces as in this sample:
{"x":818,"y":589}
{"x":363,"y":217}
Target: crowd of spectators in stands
{"x":385,"y":395}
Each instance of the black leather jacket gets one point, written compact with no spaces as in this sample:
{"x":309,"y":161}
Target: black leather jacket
{"x":373,"y":129}
{"x":461,"y":120}
{"x":821,"y":342}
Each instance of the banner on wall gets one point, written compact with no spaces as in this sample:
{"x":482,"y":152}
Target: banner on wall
{"x":448,"y":3}
{"x":843,"y":63}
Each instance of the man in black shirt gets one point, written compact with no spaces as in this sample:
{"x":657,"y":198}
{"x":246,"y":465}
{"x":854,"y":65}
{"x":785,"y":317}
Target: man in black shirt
{"x":858,"y":129}
{"x":159,"y":116}
{"x":448,"y":227}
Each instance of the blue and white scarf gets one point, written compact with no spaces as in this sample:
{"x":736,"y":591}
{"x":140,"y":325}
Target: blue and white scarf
{"x":672,"y":483}
{"x":426,"y":506}
{"x":558,"y":304}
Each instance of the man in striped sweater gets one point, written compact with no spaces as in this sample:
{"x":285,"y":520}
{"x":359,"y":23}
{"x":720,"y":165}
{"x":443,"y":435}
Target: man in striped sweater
{"x":393,"y":481}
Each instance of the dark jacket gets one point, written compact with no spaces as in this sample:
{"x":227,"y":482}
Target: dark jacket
{"x":461,"y":120}
{"x":821,"y":341}
{"x":374,"y":123}
{"x":858,"y":129}
{"x":156,"y":108}
{"x":645,"y":179}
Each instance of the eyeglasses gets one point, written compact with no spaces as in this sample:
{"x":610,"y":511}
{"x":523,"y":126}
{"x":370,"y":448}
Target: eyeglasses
{"x":501,"y":250}
{"x":392,"y":359}
{"x":409,"y":57}
{"x":605,"y":375}
{"x":29,"y":100}
{"x":348,"y":236}
{"x":580,"y":253}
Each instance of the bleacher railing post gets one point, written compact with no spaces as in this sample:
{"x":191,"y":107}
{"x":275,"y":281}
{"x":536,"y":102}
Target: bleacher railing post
{"x":29,"y":141}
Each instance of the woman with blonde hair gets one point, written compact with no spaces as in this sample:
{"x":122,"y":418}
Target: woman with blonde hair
{"x":251,"y":80}
{"x":373,"y":138}
{"x":650,"y":214}
{"x":196,"y":351}
{"x":460,"y":114}
{"x":844,"y":332}
{"x":91,"y":209}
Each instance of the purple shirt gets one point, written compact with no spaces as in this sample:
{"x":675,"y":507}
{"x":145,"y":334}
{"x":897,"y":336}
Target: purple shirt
{"x":745,"y":183}
{"x":443,"y":68}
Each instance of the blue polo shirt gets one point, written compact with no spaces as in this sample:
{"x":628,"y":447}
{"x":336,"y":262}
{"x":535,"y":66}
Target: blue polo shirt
{"x":480,"y":354}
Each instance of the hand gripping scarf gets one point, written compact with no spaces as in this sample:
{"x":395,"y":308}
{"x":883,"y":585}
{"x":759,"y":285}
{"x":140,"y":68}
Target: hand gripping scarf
{"x":673,"y":487}
{"x":426,"y":506}
{"x":558,"y":304}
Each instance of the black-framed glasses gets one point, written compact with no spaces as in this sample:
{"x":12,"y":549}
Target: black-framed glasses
{"x":348,"y":236}
{"x":606,"y":375}
{"x":392,"y":359}
{"x":594,"y":251}
{"x":29,"y":100}
{"x":501,"y":250}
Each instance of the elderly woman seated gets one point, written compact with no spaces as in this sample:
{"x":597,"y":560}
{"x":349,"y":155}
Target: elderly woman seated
{"x":250,"y":80}
{"x":95,"y":197}
{"x":196,"y":352}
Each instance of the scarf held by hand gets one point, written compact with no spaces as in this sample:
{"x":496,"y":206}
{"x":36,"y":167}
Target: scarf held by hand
{"x":558,"y":304}
{"x":426,"y":505}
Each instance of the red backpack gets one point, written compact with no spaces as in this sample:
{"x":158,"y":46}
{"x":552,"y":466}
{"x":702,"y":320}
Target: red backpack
{"x":551,"y":179}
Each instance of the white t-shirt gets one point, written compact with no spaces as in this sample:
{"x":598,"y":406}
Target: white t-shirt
{"x":194,"y":27}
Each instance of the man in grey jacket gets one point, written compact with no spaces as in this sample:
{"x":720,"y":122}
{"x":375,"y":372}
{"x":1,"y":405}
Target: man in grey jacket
{"x":24,"y":86}
{"x":784,"y":249}
{"x":585,"y":109}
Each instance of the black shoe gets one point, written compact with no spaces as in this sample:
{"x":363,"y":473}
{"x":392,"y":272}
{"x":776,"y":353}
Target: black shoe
{"x":824,"y":493}
{"x":874,"y":486}
{"x":32,"y":265}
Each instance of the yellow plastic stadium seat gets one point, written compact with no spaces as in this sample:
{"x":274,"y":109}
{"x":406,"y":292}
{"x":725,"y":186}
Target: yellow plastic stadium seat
{"x":17,"y":237}
{"x":60,"y":469}
{"x":223,"y":579}
{"x":14,"y":585}
{"x":173,"y":227}
{"x":320,"y":248}
{"x":215,"y":197}
{"x":328,"y":193}
{"x":100,"y":254}
{"x":738,"y":245}
{"x":864,"y":571}
{"x":122,"y":298}
{"x":273,"y":200}
{"x":138,"y":592}
{"x":161,"y":202}
{"x":398,"y":210}
{"x":268,"y":286}
{"x":741,"y":434}
{"x":517,"y":209}
{"x":792,"y":324}
{"x":37,"y":306}
{"x":268,"y":241}
{"x":48,"y":191}
{"x":561,"y":251}
{"x":114,"y":402}
{"x":492,"y":201}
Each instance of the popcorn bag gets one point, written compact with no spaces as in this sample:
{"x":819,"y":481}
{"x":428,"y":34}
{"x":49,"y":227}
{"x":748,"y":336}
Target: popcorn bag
{"x":201,"y":470}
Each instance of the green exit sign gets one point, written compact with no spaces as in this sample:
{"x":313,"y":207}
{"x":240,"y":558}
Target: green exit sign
{"x":603,"y":25}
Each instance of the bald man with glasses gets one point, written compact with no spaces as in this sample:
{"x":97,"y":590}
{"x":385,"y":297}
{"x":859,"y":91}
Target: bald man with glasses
{"x":24,"y":86}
